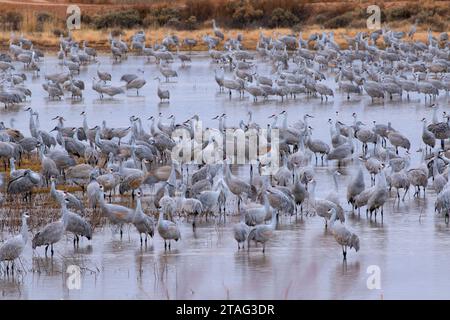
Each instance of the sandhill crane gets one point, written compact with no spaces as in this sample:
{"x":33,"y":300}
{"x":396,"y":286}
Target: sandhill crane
{"x":379,"y":196}
{"x":103,"y":75}
{"x":183,"y":58}
{"x":342,"y":235}
{"x":49,"y":235}
{"x":237,"y":186}
{"x":356,"y":186}
{"x":24,"y":183}
{"x":255,"y":214}
{"x":323,"y":90}
{"x":418,"y":177}
{"x":316,"y":146}
{"x":162,"y":94}
{"x":300,"y":194}
{"x":322,"y":206}
{"x":441,"y":130}
{"x":439,"y":180}
{"x":427,"y":136}
{"x":342,"y":151}
{"x":399,"y":140}
{"x":373,"y":89}
{"x":168,"y":73}
{"x":217,"y":31}
{"x":241,"y":231}
{"x":117,"y":214}
{"x":48,"y":166}
{"x":11,"y":249}
{"x":262,"y":233}
{"x":189,"y":206}
{"x":167,"y":229}
{"x":144,"y":224}
{"x":219,"y":77}
{"x":211,"y":199}
{"x":74,"y":223}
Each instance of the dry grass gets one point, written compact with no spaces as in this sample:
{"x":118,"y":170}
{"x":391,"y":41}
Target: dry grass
{"x":98,"y":38}
{"x":312,"y":17}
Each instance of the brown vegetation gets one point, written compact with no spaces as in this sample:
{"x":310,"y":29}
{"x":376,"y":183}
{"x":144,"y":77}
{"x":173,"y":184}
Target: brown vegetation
{"x":193,"y":17}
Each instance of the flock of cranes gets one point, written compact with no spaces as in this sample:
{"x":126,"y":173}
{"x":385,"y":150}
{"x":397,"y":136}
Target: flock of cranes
{"x":103,"y":161}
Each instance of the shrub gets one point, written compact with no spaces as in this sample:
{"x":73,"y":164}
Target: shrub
{"x":123,"y":19}
{"x":282,"y":18}
{"x":41,"y":19}
{"x":57,"y":32}
{"x":13,"y":20}
{"x":402,"y":13}
{"x":116,"y":32}
{"x":161,"y":16}
{"x":200,"y":9}
{"x":245,"y":14}
{"x":191,"y":23}
{"x":341,"y":21}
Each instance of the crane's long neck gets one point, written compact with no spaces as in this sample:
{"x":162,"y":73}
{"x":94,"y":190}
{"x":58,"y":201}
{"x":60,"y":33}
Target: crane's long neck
{"x":97,"y":138}
{"x":435,"y":117}
{"x":37,"y":121}
{"x":85,"y":124}
{"x":332,"y":130}
{"x":221,"y":127}
{"x":53,"y":188}
{"x":381,"y":183}
{"x":424,"y":128}
{"x":24,"y":230}
{"x":333,"y":218}
{"x":138,"y":127}
{"x":274,"y":122}
{"x":153,"y":127}
{"x":12,"y":165}
{"x":285,"y":121}
{"x":273,"y":221}
{"x":266,"y":202}
{"x":138,"y":205}
{"x":435,"y":168}
{"x":101,"y":199}
{"x":64,"y":215}
{"x":336,"y":186}
{"x":32,"y":125}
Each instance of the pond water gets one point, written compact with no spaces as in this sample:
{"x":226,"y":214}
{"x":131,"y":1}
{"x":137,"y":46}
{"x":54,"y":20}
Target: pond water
{"x":303,"y":261}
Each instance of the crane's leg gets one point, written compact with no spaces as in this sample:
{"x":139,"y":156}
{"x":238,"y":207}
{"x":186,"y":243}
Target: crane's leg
{"x":46,"y":248}
{"x":51,"y":249}
{"x":165,"y":245}
{"x":140,"y":236}
{"x":406,"y":191}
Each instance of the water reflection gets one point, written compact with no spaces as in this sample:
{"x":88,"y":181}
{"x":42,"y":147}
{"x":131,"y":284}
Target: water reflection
{"x":303,"y":260}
